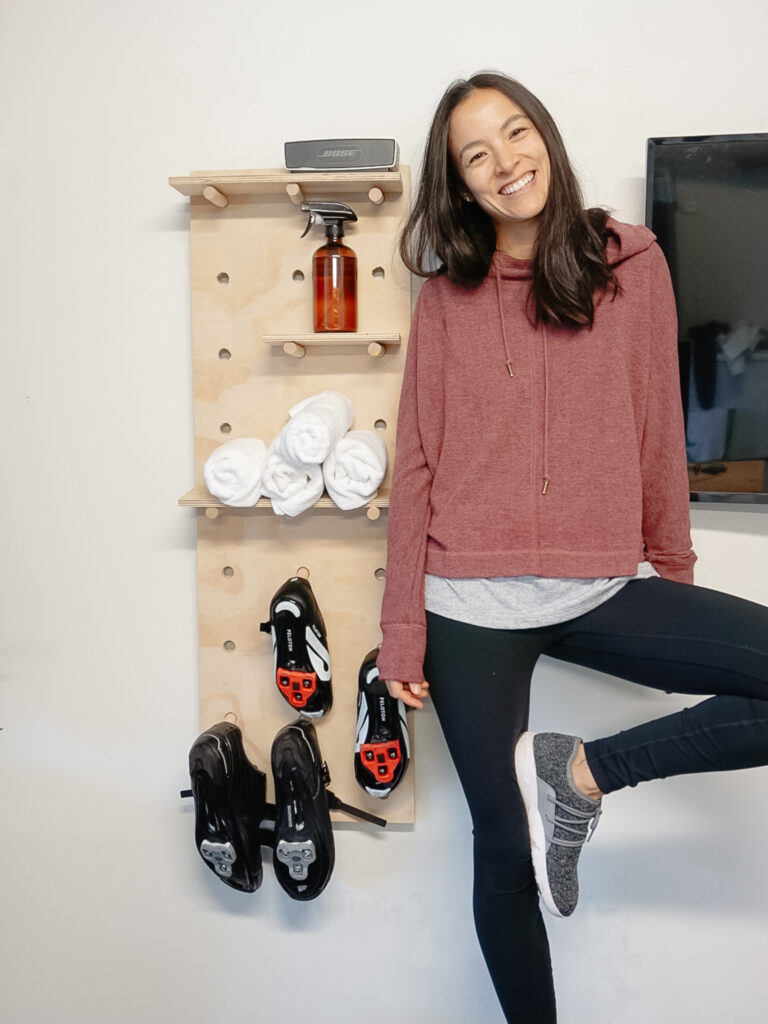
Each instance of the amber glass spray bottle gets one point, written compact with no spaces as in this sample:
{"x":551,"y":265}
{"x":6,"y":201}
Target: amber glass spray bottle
{"x":334,"y":269}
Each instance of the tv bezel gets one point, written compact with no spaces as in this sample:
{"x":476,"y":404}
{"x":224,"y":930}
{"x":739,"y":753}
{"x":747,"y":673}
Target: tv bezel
{"x":658,"y":141}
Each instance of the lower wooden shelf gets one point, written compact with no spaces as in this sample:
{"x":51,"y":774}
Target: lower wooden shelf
{"x":203,"y":499}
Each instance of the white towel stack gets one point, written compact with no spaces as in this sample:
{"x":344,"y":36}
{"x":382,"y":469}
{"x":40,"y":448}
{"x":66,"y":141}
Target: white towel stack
{"x":315,"y":448}
{"x":292,"y":489}
{"x":355,"y":468}
{"x":233,"y":471}
{"x":316,"y":426}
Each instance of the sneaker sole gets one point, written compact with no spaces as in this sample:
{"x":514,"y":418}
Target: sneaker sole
{"x":525,"y":768}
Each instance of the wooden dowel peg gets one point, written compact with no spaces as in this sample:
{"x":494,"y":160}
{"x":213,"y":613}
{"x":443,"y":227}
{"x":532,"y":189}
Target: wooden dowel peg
{"x":376,"y":349}
{"x":215,"y":197}
{"x":376,"y":196}
{"x":373,"y":512}
{"x":212,"y":513}
{"x":292,"y":348}
{"x":293,"y":190}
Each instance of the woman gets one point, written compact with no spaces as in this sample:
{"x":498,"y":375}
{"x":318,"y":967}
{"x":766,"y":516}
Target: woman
{"x":540,"y":505}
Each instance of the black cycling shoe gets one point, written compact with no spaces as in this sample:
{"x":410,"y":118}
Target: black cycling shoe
{"x":381,"y":744}
{"x":302,"y":662}
{"x":230,"y":799}
{"x":304,"y":851}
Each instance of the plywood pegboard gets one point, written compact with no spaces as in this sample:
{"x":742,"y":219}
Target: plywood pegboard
{"x":342,"y":557}
{"x":252,"y":280}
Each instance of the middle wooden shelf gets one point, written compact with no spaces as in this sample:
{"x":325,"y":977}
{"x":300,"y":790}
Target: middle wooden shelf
{"x":296,"y":344}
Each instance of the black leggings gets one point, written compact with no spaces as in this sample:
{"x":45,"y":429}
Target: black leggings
{"x":670,"y":636}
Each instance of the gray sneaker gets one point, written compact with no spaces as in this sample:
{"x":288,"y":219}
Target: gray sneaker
{"x":560,"y":819}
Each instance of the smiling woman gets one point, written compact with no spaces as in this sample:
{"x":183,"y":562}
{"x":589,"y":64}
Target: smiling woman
{"x":459,"y":229}
{"x":539,"y":505}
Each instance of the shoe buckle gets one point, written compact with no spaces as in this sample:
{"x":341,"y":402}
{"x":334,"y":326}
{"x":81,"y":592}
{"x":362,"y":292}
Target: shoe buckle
{"x":381,"y":759}
{"x":296,"y":687}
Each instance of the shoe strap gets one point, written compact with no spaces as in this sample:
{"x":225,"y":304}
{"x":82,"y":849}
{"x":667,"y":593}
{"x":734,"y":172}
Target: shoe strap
{"x":267,"y":838}
{"x":338,"y":805}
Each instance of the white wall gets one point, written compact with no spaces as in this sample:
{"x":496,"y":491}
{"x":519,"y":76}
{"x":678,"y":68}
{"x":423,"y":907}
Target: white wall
{"x":107,"y":914}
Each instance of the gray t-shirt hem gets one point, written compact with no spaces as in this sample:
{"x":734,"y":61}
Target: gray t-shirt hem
{"x":521,"y":602}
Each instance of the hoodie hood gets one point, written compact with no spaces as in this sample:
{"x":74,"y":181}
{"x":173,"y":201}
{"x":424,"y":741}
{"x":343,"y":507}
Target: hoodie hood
{"x":633,"y":238}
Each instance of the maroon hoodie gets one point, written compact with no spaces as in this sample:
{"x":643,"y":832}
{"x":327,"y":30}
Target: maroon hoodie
{"x":535,"y":450}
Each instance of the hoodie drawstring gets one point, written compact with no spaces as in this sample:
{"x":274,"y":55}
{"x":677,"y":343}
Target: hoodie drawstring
{"x":508,"y":364}
{"x":507,"y":353}
{"x":545,"y":481}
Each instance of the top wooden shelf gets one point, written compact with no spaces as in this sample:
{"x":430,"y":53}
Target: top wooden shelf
{"x":246,"y":183}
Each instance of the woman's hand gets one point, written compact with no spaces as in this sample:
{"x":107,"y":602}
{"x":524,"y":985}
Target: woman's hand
{"x":408,"y":693}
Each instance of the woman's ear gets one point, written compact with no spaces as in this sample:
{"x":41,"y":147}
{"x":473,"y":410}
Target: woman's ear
{"x":467,"y":197}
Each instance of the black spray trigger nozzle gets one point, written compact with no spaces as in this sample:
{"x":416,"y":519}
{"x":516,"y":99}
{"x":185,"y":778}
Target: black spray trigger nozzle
{"x":328,"y":214}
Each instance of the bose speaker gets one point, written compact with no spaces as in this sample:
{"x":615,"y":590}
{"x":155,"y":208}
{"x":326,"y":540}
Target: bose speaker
{"x":342,"y":155}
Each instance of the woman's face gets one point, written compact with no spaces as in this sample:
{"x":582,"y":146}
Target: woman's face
{"x":504,"y":165}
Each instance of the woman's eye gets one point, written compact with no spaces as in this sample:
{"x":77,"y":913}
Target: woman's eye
{"x":475,"y":157}
{"x":515,"y":132}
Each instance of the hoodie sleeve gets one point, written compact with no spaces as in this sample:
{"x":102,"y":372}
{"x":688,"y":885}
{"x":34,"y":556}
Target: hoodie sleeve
{"x":666,"y":509}
{"x":403,"y":621}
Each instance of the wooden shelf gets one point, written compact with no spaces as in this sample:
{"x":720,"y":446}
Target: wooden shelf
{"x":255,"y":183}
{"x":296,"y":344}
{"x":213,"y":507}
{"x":197,"y":498}
{"x":330,"y":339}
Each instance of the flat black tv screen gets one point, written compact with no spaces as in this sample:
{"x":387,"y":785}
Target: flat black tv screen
{"x":707,"y":203}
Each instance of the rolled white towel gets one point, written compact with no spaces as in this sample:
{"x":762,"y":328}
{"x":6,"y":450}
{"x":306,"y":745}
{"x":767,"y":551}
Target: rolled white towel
{"x":355,"y":468}
{"x":292,"y":489}
{"x":233,"y":471}
{"x":316,"y":426}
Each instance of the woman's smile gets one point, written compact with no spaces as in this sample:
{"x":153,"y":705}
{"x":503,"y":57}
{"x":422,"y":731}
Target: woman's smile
{"x":517,"y":185}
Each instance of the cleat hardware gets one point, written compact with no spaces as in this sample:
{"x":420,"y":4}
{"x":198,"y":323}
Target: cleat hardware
{"x":296,"y":687}
{"x":220,"y":855}
{"x":297,"y":857}
{"x":384,"y":757}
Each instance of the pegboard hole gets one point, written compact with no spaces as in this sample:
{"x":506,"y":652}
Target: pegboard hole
{"x":298,"y":275}
{"x":380,"y":574}
{"x":228,"y":571}
{"x":229,"y":645}
{"x":224,"y":353}
{"x":226,"y":428}
{"x":222,"y":278}
{"x":380,"y":425}
{"x":378,"y":272}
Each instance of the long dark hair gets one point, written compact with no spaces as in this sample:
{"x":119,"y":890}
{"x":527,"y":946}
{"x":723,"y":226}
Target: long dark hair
{"x":569,"y":267}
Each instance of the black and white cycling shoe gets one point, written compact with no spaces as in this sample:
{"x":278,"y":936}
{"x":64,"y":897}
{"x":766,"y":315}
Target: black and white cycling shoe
{"x":302,"y":662}
{"x":304,"y":851}
{"x":381,"y":742}
{"x":230,"y":799}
